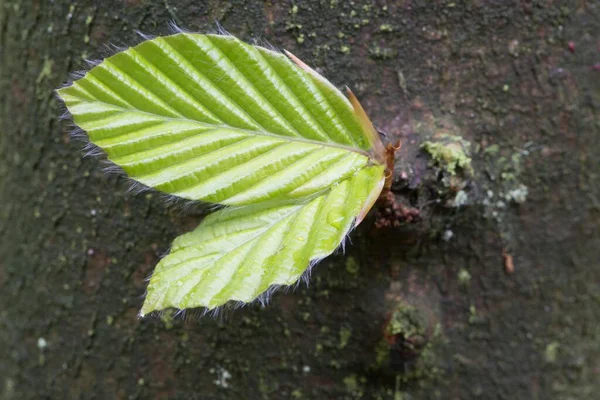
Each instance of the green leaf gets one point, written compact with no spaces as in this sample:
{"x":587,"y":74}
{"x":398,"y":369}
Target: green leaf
{"x":210,"y":118}
{"x":239,"y":253}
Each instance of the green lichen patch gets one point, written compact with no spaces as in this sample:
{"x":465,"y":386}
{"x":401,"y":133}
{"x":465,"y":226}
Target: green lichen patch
{"x":551,"y":352}
{"x":382,"y":53}
{"x":410,"y":346}
{"x":352,"y":266}
{"x":345,"y":334}
{"x":464,"y":277}
{"x":405,"y":321}
{"x":450,"y":153}
{"x":386,"y":28}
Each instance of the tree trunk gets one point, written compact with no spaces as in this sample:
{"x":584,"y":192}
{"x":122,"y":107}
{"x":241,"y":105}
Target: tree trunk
{"x":483,"y":282}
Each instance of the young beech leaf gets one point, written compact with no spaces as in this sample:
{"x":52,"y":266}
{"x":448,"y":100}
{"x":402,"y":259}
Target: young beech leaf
{"x":238,"y":253}
{"x":210,"y":118}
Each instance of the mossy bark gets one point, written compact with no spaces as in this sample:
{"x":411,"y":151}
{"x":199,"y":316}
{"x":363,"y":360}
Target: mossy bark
{"x":502,"y":287}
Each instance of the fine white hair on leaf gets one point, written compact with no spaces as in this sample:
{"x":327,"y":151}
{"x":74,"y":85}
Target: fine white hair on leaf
{"x":180,"y":313}
{"x":160,"y":313}
{"x":163,"y":255}
{"x":111,"y":168}
{"x":147,"y":278}
{"x":136,"y":187}
{"x":221,"y":30}
{"x":170,"y":200}
{"x":76,"y":75}
{"x":143,"y":297}
{"x":91,"y":150}
{"x":342,"y":245}
{"x":65,"y":116}
{"x":214,"y":313}
{"x":242,"y":304}
{"x":347,"y":237}
{"x":156,"y":314}
{"x":182,"y":205}
{"x":144,"y":36}
{"x":266,"y":44}
{"x":305,"y":277}
{"x":111,"y":49}
{"x":185,"y":315}
{"x":193,"y":207}
{"x":79,"y":134}
{"x":92,"y":63}
{"x":265,"y":297}
{"x":185,"y":206}
{"x":197,"y":313}
{"x":273,"y":289}
{"x":175,"y":29}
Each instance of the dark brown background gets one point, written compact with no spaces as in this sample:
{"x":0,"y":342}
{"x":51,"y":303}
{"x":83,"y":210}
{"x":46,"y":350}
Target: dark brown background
{"x":75,"y":248}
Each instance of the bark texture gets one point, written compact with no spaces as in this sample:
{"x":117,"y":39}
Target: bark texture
{"x":428,"y":309}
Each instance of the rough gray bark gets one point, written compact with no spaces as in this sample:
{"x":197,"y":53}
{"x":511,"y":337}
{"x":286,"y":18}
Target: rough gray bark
{"x":503,"y":75}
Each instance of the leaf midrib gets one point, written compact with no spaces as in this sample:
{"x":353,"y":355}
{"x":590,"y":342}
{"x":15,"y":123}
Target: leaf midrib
{"x":247,"y":131}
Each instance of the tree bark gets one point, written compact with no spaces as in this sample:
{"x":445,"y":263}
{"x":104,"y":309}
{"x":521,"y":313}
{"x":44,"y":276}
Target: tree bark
{"x":484,"y":283}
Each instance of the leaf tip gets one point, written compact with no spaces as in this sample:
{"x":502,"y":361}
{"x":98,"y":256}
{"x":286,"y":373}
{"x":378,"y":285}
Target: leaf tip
{"x":61,"y":90}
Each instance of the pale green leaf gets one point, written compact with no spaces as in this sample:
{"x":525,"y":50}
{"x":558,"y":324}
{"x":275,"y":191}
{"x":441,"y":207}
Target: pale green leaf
{"x":238,"y":253}
{"x":210,"y":118}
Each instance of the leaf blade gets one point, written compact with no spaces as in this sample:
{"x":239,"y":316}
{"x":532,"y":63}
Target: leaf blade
{"x":144,"y":105}
{"x":210,"y":118}
{"x":238,"y":253}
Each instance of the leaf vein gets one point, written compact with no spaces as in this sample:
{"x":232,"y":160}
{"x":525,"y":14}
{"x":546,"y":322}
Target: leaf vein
{"x":137,"y":86}
{"x":178,"y":88}
{"x":224,"y":98}
{"x":298,"y":104}
{"x":285,"y":122}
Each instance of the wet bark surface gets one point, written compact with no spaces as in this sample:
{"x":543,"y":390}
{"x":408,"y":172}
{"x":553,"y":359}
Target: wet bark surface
{"x":482,"y":282}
